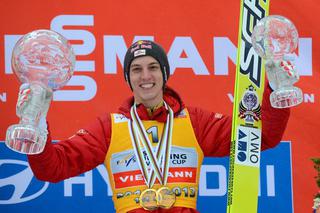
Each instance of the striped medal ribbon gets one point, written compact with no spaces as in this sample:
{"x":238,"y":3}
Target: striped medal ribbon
{"x":159,"y":157}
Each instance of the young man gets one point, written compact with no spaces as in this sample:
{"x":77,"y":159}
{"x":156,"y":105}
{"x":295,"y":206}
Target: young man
{"x":154,"y":138}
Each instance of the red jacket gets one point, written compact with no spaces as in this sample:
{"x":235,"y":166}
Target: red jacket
{"x":88,"y":147}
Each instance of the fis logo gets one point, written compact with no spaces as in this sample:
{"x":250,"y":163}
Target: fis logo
{"x":119,"y":118}
{"x":127,"y":160}
{"x":17,"y":183}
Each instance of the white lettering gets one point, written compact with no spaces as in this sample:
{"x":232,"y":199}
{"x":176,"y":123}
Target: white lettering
{"x":304,"y":59}
{"x":189,"y":174}
{"x":230,"y":96}
{"x":104,"y":174}
{"x":139,"y":177}
{"x":9,"y":42}
{"x":88,"y":93}
{"x":193,"y":60}
{"x":179,"y":174}
{"x":271,"y":189}
{"x":222,"y":180}
{"x":88,"y":41}
{"x":85,"y":180}
{"x":115,"y":48}
{"x":131,"y":178}
{"x":3,"y":97}
{"x":124,"y":179}
{"x":224,"y":49}
{"x":308,"y":98}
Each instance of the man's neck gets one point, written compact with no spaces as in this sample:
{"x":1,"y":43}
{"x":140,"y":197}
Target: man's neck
{"x":152,"y":108}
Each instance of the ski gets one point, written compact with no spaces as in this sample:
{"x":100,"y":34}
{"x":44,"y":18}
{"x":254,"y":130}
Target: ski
{"x":244,"y":170}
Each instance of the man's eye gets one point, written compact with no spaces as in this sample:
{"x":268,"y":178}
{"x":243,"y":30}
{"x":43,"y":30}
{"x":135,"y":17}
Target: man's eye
{"x":154,"y":67}
{"x":135,"y":70}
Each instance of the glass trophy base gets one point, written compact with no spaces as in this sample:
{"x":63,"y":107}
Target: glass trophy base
{"x":25,"y":139}
{"x":286,"y":97}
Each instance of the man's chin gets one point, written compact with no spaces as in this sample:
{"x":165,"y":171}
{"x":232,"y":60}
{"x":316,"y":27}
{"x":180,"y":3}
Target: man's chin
{"x":149,"y":99}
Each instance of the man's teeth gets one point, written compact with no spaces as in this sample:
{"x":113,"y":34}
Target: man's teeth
{"x":147,"y":86}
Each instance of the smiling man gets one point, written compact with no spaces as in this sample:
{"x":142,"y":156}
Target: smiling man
{"x":154,"y":145}
{"x":146,"y":81}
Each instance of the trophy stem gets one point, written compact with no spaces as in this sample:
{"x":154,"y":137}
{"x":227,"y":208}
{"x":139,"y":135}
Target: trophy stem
{"x":32,"y":112}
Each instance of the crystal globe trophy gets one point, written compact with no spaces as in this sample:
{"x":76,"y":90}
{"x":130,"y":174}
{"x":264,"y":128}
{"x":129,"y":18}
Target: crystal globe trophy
{"x":274,"y":38}
{"x":45,"y":61}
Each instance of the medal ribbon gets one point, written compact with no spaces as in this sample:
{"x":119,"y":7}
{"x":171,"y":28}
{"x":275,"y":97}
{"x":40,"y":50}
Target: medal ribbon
{"x":165,"y":160}
{"x":140,"y":138}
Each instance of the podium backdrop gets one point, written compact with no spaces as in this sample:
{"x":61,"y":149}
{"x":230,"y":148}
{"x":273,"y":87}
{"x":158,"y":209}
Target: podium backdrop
{"x":201,"y":40}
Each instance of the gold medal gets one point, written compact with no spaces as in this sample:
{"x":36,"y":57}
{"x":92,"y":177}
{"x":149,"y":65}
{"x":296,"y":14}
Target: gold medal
{"x":165,"y":198}
{"x":148,"y":199}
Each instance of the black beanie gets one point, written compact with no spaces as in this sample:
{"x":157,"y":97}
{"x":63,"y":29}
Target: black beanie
{"x":146,"y":48}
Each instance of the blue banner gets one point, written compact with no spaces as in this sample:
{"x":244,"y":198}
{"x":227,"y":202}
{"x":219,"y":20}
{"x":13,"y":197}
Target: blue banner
{"x":20,"y":191}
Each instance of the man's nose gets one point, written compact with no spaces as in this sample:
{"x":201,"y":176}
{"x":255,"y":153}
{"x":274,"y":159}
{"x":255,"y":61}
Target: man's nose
{"x":145,"y":73}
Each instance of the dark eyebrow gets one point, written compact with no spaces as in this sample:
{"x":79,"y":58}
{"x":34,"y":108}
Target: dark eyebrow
{"x":138,"y":65}
{"x":134,"y":65}
{"x":154,"y":63}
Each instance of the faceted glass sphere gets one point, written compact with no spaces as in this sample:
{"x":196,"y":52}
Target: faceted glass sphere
{"x":45,"y":57}
{"x":274,"y":36}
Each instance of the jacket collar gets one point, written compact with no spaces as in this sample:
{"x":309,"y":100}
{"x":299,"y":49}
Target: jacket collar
{"x":170,"y":96}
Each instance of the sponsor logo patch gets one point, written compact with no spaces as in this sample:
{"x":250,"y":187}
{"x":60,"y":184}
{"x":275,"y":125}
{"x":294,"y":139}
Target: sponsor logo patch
{"x":248,"y":146}
{"x":139,"y":52}
{"x":126,"y":171}
{"x":119,"y":118}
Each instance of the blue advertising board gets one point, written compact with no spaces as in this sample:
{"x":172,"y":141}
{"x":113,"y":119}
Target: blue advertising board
{"x":20,"y":191}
